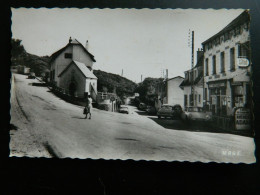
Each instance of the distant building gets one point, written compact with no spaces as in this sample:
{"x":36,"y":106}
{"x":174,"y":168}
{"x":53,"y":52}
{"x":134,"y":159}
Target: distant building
{"x":194,"y":77}
{"x":227,"y":67}
{"x":21,"y":69}
{"x":174,"y":94}
{"x":71,"y":70}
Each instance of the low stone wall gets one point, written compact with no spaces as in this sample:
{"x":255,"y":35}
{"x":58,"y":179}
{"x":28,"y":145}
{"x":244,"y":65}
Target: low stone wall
{"x":74,"y":100}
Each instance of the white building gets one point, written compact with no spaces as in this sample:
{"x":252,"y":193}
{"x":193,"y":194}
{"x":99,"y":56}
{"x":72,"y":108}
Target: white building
{"x":194,"y":78}
{"x":174,"y":92}
{"x":71,"y":69}
{"x":227,"y":67}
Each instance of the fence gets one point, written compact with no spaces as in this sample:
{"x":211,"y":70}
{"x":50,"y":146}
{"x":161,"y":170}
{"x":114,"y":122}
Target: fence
{"x":77,"y":99}
{"x":223,"y":122}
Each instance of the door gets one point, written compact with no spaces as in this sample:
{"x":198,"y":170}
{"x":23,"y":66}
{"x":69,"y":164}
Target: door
{"x":72,"y":89}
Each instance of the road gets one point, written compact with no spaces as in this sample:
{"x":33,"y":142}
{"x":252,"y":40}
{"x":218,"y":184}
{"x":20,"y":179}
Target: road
{"x":44,"y":125}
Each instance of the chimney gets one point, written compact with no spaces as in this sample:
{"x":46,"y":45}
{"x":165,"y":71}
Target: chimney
{"x":70,"y":40}
{"x":86,"y":45}
{"x":199,"y":54}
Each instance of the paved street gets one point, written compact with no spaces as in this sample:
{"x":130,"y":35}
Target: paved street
{"x":44,"y":125}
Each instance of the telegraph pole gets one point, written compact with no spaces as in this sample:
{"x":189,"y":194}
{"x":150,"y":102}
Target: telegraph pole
{"x":192,"y":66}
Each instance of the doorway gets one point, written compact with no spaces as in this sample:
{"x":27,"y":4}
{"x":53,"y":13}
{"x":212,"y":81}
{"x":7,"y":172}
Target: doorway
{"x":72,"y":89}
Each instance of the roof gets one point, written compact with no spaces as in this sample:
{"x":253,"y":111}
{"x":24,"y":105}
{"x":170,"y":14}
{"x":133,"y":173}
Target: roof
{"x":175,"y":78}
{"x":186,"y":82}
{"x":82,"y":67}
{"x":242,"y":18}
{"x":72,"y":42}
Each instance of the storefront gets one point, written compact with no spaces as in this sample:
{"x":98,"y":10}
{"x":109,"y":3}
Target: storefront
{"x":218,"y":97}
{"x":225,"y":95}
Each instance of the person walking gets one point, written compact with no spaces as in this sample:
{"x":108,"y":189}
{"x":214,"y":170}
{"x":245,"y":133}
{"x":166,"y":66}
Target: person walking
{"x":88,"y":107}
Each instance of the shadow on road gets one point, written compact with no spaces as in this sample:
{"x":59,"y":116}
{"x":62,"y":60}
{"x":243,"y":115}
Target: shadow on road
{"x":77,"y":117}
{"x":194,"y":126}
{"x":143,"y":113}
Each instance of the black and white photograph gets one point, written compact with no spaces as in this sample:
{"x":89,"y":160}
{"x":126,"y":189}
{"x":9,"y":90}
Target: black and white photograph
{"x":139,"y":84}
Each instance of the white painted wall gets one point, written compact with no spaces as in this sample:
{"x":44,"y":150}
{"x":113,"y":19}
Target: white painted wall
{"x":174,"y":92}
{"x":60,"y":63}
{"x":87,"y":85}
{"x":81,"y":56}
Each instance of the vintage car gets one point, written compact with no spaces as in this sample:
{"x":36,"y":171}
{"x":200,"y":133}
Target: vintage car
{"x":124,"y":109}
{"x":151,"y":110}
{"x":196,"y":114}
{"x":142,"y":106}
{"x":31,"y":75}
{"x":171,"y":111}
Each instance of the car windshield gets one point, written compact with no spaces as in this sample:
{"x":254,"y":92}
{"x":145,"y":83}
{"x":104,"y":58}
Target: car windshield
{"x":194,"y":109}
{"x":167,"y":107}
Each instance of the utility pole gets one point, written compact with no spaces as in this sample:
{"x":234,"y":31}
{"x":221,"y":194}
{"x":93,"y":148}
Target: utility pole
{"x":122,"y":72}
{"x":192,"y":65}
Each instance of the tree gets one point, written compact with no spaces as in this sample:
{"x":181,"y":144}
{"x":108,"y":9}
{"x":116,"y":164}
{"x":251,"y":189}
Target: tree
{"x":18,"y":52}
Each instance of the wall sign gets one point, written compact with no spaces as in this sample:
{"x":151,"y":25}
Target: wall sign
{"x":242,"y":62}
{"x":242,"y":119}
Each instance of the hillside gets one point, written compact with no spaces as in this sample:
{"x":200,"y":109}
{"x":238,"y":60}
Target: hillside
{"x":21,"y":57}
{"x":108,"y":82}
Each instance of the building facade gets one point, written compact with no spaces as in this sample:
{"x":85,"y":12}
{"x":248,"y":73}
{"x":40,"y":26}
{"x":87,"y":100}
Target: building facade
{"x":174,"y":94}
{"x":71,"y":70}
{"x":227,"y":68}
{"x":193,"y":84}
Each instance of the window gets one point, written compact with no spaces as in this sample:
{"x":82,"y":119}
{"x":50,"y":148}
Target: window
{"x":186,"y":75}
{"x":185,"y":100}
{"x":199,"y":98}
{"x":243,"y":50}
{"x":232,"y":59}
{"x":206,"y":94}
{"x":207,"y":67}
{"x":191,"y":100}
{"x":226,"y":36}
{"x":214,"y":64}
{"x":222,"y":62}
{"x":191,"y":76}
{"x":53,"y":74}
{"x":210,"y":45}
{"x":68,"y":55}
{"x":217,"y":41}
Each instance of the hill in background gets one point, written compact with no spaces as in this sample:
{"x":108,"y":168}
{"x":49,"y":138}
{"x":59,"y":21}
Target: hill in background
{"x":113,"y":83}
{"x":36,"y":63}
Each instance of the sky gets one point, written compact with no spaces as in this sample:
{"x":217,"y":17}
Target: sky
{"x":138,"y":41}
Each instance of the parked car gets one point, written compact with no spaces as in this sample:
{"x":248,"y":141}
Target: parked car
{"x":151,"y":110}
{"x":31,"y":75}
{"x":172,"y":111}
{"x":196,"y":114}
{"x":124,"y":109}
{"x":142,"y":106}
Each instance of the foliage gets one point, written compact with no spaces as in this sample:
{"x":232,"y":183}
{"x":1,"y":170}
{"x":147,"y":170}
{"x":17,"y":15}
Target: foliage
{"x":21,"y":57}
{"x":148,"y":90}
{"x":113,"y":83}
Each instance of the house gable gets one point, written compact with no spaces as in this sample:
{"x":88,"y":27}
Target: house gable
{"x":82,"y":68}
{"x":74,"y":42}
